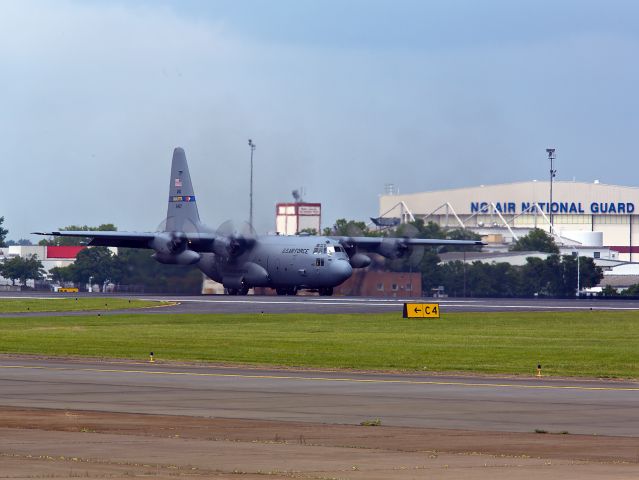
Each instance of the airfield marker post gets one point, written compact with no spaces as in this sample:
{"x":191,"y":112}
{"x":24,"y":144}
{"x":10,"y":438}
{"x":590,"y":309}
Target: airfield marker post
{"x":539,"y":369}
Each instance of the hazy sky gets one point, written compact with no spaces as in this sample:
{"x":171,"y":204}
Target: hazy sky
{"x":340,"y":97}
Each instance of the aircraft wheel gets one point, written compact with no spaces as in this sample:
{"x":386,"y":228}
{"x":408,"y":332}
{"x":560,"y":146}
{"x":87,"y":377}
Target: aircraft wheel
{"x":231,"y":291}
{"x":243,"y":290}
{"x":286,"y":291}
{"x":326,"y":292}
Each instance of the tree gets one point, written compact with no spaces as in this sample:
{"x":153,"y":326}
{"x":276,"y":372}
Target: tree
{"x":535,"y":278}
{"x":137,"y":267}
{"x":22,"y":242}
{"x":461,"y":234}
{"x":96,"y":263}
{"x":555,"y":276}
{"x":487,"y":280}
{"x":429,"y":268}
{"x":418,"y":229}
{"x":350,"y":228}
{"x":76,"y":241}
{"x":3,"y":233}
{"x":23,"y":269}
{"x":536,"y":241}
{"x":631,"y":291}
{"x":609,"y":291}
{"x":433,"y":274}
{"x":61,"y":274}
{"x":591,"y":275}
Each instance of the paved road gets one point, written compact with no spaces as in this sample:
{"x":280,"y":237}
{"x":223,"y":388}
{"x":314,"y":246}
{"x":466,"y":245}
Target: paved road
{"x":313,"y":304}
{"x":518,"y":405}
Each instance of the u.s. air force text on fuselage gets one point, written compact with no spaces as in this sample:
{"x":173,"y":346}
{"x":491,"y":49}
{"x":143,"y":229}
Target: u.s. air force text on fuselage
{"x":296,"y":250}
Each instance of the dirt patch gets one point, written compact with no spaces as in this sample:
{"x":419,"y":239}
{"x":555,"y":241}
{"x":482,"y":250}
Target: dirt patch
{"x":67,"y":444}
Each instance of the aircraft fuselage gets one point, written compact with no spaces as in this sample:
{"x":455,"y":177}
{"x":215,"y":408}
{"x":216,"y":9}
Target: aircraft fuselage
{"x":282,"y":262}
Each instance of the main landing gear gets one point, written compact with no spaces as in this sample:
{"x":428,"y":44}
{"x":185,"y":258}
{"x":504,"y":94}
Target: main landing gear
{"x":324,"y":292}
{"x":286,"y":291}
{"x":243,"y":290}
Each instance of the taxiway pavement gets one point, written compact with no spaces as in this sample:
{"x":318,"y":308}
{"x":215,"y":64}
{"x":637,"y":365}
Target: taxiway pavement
{"x":450,"y":402}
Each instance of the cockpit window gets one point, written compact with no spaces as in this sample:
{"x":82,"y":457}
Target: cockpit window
{"x":338,"y":248}
{"x":319,"y":249}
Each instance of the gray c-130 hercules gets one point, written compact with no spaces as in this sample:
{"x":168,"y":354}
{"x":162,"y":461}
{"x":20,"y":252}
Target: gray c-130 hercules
{"x":242,"y":261}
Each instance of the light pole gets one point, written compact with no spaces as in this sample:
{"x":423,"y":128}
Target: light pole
{"x":578,"y":282}
{"x":464,"y":272}
{"x":252,"y":146}
{"x":551,"y":157}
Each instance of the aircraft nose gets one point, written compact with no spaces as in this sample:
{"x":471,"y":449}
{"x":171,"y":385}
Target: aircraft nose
{"x":342,"y":269}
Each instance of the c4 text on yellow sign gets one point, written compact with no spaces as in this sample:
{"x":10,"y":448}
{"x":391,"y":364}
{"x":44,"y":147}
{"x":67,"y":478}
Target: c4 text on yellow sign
{"x":421,"y":310}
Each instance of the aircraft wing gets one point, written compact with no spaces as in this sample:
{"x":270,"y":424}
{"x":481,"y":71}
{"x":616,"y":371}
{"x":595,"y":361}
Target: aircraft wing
{"x":128,"y":239}
{"x":107,"y":239}
{"x":375,"y":242}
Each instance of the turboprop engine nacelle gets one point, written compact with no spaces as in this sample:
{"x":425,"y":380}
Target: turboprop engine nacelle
{"x":171,"y":248}
{"x":187,"y":257}
{"x":255,"y":275}
{"x":359,"y":260}
{"x":169,"y":243}
{"x":393,"y":248}
{"x":232,"y":245}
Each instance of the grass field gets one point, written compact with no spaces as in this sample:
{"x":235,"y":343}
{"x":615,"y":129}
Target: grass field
{"x":69,"y":304}
{"x":588,"y":344}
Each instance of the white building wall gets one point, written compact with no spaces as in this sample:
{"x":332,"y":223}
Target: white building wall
{"x":28,"y":251}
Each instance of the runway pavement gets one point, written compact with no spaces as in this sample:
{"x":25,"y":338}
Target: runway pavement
{"x":314,"y":304}
{"x":250,"y":304}
{"x":473,"y":403}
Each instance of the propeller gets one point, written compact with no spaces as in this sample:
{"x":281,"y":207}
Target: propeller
{"x":170,"y":243}
{"x":233,"y":241}
{"x":397,"y":247}
{"x":391,"y":247}
{"x":173,"y":247}
{"x":352,"y":230}
{"x":409,"y":231}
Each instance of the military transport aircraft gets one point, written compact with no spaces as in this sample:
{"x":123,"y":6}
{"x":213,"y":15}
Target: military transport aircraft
{"x":241,"y":261}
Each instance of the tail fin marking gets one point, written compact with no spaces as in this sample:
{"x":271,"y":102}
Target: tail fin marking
{"x":182,"y":214}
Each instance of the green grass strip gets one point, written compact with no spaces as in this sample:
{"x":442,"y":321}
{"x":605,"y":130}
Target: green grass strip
{"x":585,"y":344}
{"x":69,"y":304}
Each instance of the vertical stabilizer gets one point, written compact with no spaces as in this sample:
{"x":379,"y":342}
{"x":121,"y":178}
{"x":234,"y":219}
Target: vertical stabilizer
{"x":182,"y":213}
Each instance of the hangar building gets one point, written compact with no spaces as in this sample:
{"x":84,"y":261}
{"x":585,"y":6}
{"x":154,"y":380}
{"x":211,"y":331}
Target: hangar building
{"x":581,"y":214}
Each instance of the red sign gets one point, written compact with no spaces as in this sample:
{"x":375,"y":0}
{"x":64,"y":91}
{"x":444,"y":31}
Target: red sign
{"x":63,"y":252}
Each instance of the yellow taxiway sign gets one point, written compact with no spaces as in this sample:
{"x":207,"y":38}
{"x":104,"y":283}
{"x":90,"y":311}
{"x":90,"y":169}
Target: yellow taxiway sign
{"x":421,"y":310}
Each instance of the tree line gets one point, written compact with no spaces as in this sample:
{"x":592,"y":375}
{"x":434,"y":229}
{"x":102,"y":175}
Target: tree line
{"x":555,"y":276}
{"x":130,"y":267}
